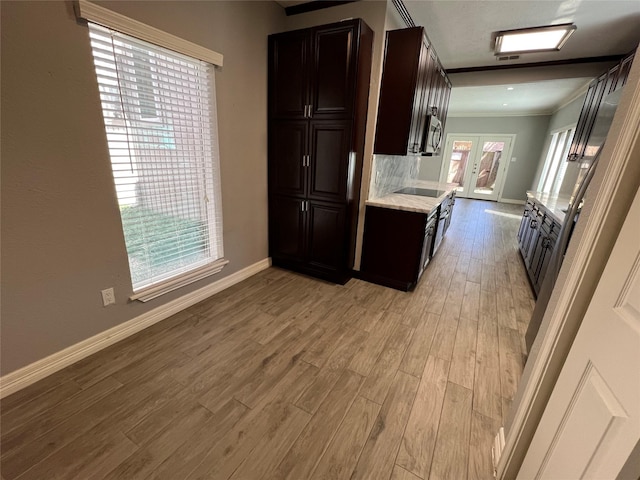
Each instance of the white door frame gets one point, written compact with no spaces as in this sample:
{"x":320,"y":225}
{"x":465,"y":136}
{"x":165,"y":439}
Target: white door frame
{"x":604,"y":211}
{"x":506,"y":163}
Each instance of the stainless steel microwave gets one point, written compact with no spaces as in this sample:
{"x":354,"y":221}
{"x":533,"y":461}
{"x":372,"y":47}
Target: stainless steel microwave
{"x":433,"y":137}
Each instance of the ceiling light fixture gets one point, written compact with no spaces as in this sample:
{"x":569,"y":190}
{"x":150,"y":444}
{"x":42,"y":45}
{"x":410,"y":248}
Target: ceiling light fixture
{"x":509,"y":88}
{"x":537,"y":39}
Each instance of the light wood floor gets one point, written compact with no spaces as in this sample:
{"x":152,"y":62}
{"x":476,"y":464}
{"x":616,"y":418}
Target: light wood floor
{"x":283,"y":376}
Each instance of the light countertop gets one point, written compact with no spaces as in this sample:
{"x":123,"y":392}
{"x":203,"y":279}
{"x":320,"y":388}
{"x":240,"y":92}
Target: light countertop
{"x":414,"y":203}
{"x":553,"y":204}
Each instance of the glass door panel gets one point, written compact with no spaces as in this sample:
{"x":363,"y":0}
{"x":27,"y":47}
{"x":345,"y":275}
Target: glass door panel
{"x":487,"y":170}
{"x":478,"y":164}
{"x":459,"y":154}
{"x":458,"y":161}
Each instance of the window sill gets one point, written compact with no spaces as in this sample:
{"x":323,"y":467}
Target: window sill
{"x":156,"y":291}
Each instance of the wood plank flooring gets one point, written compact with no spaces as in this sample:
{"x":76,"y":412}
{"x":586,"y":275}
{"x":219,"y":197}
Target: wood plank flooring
{"x":286,"y":377}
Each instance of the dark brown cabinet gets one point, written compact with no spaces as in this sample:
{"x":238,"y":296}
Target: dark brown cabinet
{"x":587,"y":117}
{"x":440,"y":92}
{"x":318,"y":92}
{"x":414,"y":85}
{"x":313,"y":71}
{"x":398,"y":245}
{"x":537,"y":238}
{"x":607,"y":83}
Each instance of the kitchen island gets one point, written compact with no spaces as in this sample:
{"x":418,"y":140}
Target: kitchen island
{"x":403,"y":231}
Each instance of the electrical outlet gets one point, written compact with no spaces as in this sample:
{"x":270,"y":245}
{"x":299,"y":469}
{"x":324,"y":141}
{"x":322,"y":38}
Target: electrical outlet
{"x":108,"y":297}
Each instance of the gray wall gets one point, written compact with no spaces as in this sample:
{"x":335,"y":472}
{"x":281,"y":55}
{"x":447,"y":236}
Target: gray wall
{"x":530,"y":139}
{"x":61,"y":234}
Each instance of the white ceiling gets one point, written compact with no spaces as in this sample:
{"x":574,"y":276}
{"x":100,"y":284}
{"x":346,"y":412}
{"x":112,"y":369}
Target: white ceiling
{"x":461,"y":31}
{"x":539,"y":98}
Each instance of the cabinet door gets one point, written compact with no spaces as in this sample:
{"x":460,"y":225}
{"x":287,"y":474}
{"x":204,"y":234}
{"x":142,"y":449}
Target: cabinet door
{"x":326,"y":236}
{"x":329,"y":166}
{"x":444,"y":104}
{"x":333,"y":71}
{"x":421,"y":100}
{"x":524,"y":224}
{"x":289,"y":74}
{"x":576,"y":143}
{"x":286,"y":227}
{"x":398,"y":90}
{"x":625,"y":67}
{"x":548,"y":247}
{"x":436,"y":84}
{"x":531,"y":235}
{"x":537,"y":249}
{"x":288,"y":157}
{"x":591,"y":116}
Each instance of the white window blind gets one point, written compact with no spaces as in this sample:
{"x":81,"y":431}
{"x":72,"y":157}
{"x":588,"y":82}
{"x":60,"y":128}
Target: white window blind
{"x":160,"y":120}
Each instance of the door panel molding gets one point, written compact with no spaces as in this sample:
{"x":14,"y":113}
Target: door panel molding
{"x":592,"y":395}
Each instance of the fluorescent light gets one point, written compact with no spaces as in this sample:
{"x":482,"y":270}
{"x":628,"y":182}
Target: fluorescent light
{"x":509,"y":88}
{"x":537,"y":39}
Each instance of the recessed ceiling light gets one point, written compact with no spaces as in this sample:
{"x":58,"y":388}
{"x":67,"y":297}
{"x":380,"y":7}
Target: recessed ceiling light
{"x":505,"y":104}
{"x":536,"y":39}
{"x":509,"y":88}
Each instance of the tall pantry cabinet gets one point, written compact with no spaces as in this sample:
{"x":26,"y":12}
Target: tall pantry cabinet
{"x":318,"y":94}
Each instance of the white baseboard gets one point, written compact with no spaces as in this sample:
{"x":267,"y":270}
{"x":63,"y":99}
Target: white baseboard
{"x":25,"y":376}
{"x":515,"y":201}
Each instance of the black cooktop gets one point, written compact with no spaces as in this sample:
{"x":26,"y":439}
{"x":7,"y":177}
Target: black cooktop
{"x":421,"y":192}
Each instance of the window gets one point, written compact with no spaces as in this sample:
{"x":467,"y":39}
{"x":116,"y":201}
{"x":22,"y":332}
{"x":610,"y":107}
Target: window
{"x":159,"y":115}
{"x":555,"y":165}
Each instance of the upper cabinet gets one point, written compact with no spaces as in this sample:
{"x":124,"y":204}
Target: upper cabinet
{"x":607,"y":83}
{"x":312,"y":73}
{"x":414,"y":85}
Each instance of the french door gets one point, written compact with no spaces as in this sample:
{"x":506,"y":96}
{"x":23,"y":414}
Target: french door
{"x":477,"y":163}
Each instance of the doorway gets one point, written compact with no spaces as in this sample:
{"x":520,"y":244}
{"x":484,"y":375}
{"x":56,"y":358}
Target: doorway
{"x":478,"y":163}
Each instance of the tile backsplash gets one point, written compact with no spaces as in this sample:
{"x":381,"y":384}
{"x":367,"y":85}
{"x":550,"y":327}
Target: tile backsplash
{"x":391,"y":173}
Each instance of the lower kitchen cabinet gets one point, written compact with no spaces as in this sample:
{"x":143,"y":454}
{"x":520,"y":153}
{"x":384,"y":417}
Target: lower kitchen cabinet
{"x":537,"y":238}
{"x":309,"y":236}
{"x":398,"y":245}
{"x":287,"y":227}
{"x":326,"y":227}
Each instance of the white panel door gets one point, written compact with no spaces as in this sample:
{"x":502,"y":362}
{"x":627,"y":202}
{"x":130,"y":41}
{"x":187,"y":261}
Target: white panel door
{"x":592,"y":421}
